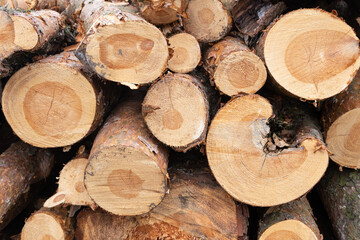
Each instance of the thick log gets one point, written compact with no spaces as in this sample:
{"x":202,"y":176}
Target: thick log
{"x":207,"y":20}
{"x":57,"y":111}
{"x":127,"y":170}
{"x":26,"y":32}
{"x":293,"y":220}
{"x":233,"y":68}
{"x":58,"y":5}
{"x":196,"y":208}
{"x":47,"y":223}
{"x":162,"y":11}
{"x":316,"y":59}
{"x":264,"y":160}
{"x":120,"y":45}
{"x":21,"y":166}
{"x":341,"y":121}
{"x":176,"y":110}
{"x":340,"y":193}
{"x":185,"y":53}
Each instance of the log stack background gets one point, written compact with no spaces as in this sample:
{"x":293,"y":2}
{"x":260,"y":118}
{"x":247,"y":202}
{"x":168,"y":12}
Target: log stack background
{"x":180,"y":119}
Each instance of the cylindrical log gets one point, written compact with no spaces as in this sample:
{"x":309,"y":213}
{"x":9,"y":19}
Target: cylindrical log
{"x":234,"y":68}
{"x":21,"y":166}
{"x":293,"y":220}
{"x":47,"y":223}
{"x":162,"y":11}
{"x":71,"y":188}
{"x":310,"y":54}
{"x":196,"y":208}
{"x":57,"y":111}
{"x":127,"y":170}
{"x":207,"y":20}
{"x":25,"y":31}
{"x":251,"y":17}
{"x":185,"y":53}
{"x":120,"y":45}
{"x":340,"y":193}
{"x":341,"y":121}
{"x":264,"y":160}
{"x":58,"y":5}
{"x":179,"y":120}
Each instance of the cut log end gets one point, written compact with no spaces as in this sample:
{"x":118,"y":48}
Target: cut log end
{"x":240,"y":158}
{"x":176,"y":119}
{"x":133,"y":52}
{"x":317,"y":59}
{"x":49,"y":105}
{"x":186,"y":53}
{"x":26,"y":37}
{"x":343,"y":139}
{"x":125,"y":181}
{"x":207,"y":20}
{"x":288,"y":229}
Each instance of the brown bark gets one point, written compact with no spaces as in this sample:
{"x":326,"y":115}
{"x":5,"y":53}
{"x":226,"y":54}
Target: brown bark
{"x":195,"y":208}
{"x":299,"y":210}
{"x":340,"y":193}
{"x":123,"y":148}
{"x":48,"y":223}
{"x":57,"y":5}
{"x":21,"y":166}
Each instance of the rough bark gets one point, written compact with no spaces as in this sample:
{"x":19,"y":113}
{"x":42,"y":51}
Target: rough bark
{"x":59,"y":111}
{"x":57,"y":5}
{"x":122,"y":150}
{"x":340,"y":193}
{"x":21,"y":166}
{"x":195,"y":208}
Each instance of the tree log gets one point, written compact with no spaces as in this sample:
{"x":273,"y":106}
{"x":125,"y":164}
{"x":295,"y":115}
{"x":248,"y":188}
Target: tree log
{"x":207,"y":20}
{"x":196,"y":208}
{"x":120,"y":45}
{"x":47,"y":223}
{"x":261,"y":160}
{"x":176,"y":109}
{"x":58,"y":111}
{"x":341,"y":121}
{"x":26,"y":32}
{"x":316,"y":59}
{"x":21,"y":166}
{"x":162,"y":11}
{"x":294,"y":220}
{"x":58,"y":5}
{"x":234,"y":68}
{"x":127,"y":170}
{"x":186,"y":53}
{"x":340,"y":193}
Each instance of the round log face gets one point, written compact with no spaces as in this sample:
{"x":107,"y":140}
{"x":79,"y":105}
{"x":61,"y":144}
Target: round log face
{"x":124,"y":181}
{"x":42,"y":226}
{"x":26,"y":36}
{"x":131,"y":52}
{"x":290,"y":230}
{"x":343,"y":139}
{"x":179,"y":114}
{"x":311,"y":53}
{"x":49,"y":105}
{"x":235,"y":147}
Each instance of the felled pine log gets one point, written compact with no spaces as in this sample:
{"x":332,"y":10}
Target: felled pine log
{"x":293,"y":220}
{"x":341,"y":120}
{"x":26,"y":32}
{"x":316,"y":59}
{"x":57,"y":111}
{"x":21,"y":166}
{"x":233,"y":68}
{"x":54,"y":223}
{"x":121,"y":46}
{"x":196,"y":208}
{"x":58,"y":5}
{"x":127,"y":170}
{"x":176,"y":110}
{"x":264,"y":160}
{"x":340,"y":193}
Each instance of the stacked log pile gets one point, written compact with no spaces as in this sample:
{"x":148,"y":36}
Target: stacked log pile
{"x":193,"y":119}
